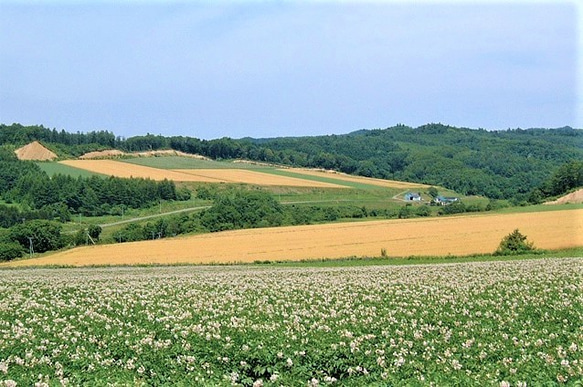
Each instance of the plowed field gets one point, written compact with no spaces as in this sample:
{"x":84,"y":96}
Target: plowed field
{"x":358,"y":179}
{"x":432,"y":236}
{"x":121,"y":169}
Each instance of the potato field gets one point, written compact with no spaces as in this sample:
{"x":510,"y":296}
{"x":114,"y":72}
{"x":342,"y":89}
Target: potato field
{"x":506,"y":323}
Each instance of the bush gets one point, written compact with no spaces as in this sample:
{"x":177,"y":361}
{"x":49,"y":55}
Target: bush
{"x":423,"y":211}
{"x":43,"y":234}
{"x":513,"y":244}
{"x":10,"y":251}
{"x":453,"y":208}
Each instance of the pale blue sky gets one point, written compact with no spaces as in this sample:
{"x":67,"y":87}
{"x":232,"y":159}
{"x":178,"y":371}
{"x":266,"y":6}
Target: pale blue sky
{"x":288,"y":68}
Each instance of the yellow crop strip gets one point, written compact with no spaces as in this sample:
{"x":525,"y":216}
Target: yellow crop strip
{"x":424,"y":236}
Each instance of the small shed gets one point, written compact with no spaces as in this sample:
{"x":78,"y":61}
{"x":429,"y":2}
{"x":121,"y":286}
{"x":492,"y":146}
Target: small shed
{"x":411,"y":196}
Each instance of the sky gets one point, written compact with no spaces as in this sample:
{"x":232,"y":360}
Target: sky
{"x":212,"y":69}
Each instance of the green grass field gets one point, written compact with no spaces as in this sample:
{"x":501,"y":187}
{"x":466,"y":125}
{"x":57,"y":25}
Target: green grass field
{"x":54,"y":168}
{"x":179,"y":162}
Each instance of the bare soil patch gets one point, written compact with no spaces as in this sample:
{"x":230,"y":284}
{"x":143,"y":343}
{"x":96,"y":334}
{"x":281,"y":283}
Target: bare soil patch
{"x":113,"y":153}
{"x":574,"y":197}
{"x":104,"y":154}
{"x":35,"y":151}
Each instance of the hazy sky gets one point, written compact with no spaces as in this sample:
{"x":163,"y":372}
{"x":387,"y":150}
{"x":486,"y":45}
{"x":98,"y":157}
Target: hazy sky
{"x":280,"y":68}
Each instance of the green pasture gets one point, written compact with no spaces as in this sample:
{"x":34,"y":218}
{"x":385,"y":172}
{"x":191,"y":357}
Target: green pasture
{"x":180,"y":162}
{"x":52,"y":168}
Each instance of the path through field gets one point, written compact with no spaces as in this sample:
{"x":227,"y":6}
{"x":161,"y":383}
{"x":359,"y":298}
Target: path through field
{"x":432,"y":236}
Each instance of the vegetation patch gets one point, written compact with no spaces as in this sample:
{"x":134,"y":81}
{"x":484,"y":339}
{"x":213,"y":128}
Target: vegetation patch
{"x":514,"y":243}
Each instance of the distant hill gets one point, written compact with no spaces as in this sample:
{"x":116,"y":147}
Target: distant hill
{"x":506,"y":164}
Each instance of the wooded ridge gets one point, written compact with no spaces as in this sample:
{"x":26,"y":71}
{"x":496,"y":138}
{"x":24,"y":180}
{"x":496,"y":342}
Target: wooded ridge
{"x":507,"y":164}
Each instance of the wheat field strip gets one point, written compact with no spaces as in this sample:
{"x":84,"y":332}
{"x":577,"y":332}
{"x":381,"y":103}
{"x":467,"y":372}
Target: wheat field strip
{"x":460,"y":235}
{"x":120,"y":169}
{"x":255,"y":177}
{"x":126,"y":170}
{"x":358,"y":179}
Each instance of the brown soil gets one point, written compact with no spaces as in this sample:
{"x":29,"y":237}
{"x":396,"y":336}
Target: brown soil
{"x":105,"y":154}
{"x":113,"y":153}
{"x":574,"y":197}
{"x":35,"y":151}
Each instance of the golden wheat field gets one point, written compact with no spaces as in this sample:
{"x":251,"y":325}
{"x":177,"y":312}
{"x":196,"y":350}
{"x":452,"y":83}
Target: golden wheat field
{"x":254,"y":177}
{"x":431,"y":236}
{"x":358,"y":179}
{"x":121,"y":169}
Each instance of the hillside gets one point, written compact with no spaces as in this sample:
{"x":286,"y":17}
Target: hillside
{"x":498,"y":164}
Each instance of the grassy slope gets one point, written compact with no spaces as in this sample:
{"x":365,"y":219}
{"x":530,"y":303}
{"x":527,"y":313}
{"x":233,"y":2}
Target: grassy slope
{"x":54,"y":168}
{"x":179,"y":162}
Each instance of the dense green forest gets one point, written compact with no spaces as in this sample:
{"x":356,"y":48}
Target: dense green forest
{"x":507,"y":164}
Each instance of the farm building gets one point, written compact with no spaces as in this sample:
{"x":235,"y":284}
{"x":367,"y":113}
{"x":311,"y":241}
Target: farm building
{"x":410,"y":196}
{"x":444,"y":200}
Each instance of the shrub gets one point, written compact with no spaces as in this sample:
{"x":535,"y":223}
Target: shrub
{"x":10,"y":251}
{"x":423,"y":211}
{"x":514,"y":243}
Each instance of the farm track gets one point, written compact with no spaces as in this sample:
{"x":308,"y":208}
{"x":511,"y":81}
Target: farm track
{"x":198,"y":208}
{"x":459,"y":235}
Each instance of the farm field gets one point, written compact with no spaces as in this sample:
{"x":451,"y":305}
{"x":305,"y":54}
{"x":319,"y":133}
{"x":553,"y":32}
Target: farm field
{"x":359,"y":179}
{"x":512,"y":323}
{"x":235,"y":172}
{"x":460,"y":235}
{"x":254,"y":177}
{"x":52,"y":168}
{"x":179,"y":162}
{"x":120,"y":169}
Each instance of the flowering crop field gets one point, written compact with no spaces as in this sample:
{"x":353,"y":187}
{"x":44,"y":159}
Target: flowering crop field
{"x":494,"y":323}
